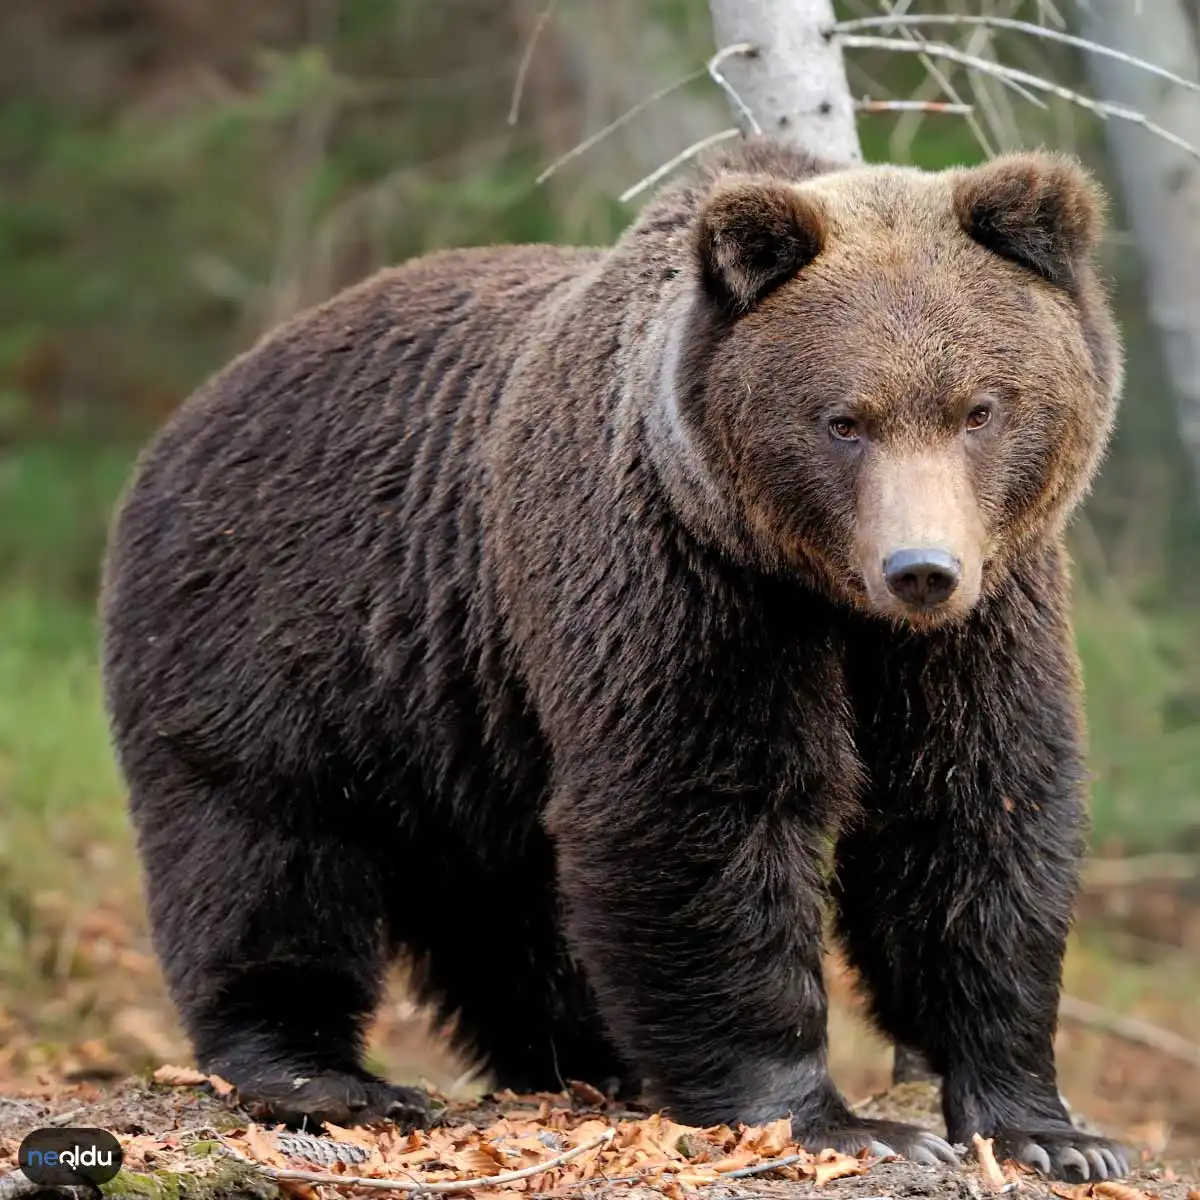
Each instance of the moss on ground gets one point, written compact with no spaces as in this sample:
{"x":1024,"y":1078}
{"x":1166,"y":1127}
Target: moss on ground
{"x":226,"y":1180}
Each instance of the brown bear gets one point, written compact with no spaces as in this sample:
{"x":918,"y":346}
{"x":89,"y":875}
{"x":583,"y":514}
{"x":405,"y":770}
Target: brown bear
{"x":579,"y":622}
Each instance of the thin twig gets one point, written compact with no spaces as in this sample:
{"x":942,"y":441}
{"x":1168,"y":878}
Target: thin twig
{"x":943,"y":81}
{"x":415,"y":1186}
{"x":763,"y":1167}
{"x":1054,"y":35}
{"x":1012,"y":75}
{"x":679,"y":159}
{"x":1129,"y":1029}
{"x":710,"y":68}
{"x":65,"y":1118}
{"x":867,"y":105}
{"x":714,"y":64}
{"x":542,"y":21}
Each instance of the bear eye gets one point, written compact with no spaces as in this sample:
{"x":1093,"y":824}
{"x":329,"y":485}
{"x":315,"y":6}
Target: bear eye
{"x":844,"y":429}
{"x":979,"y":416}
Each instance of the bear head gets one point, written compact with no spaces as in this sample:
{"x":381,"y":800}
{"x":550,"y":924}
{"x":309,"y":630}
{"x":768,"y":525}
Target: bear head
{"x":890,"y":382}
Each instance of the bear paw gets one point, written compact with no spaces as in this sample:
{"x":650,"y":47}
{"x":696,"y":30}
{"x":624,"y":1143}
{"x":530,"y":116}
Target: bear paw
{"x":881,"y":1139}
{"x":1063,"y":1152}
{"x":337,"y":1097}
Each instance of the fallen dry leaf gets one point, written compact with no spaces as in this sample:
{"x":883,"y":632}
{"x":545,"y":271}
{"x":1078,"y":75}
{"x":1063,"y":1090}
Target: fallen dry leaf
{"x":179,"y":1076}
{"x":260,"y":1146}
{"x":298,"y":1191}
{"x":1115,"y":1190}
{"x":993,"y":1176}
{"x":832,"y":1165}
{"x":772,"y":1140}
{"x":584,"y":1093}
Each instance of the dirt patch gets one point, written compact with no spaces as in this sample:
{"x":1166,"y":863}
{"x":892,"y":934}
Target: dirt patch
{"x":175,"y":1141}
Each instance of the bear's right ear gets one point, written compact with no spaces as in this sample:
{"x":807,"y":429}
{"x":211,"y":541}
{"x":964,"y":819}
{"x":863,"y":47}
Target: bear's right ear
{"x":752,"y":236}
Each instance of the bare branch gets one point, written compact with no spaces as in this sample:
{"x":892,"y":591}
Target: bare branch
{"x":1129,"y":1029}
{"x":1012,"y":76}
{"x":942,"y":80}
{"x":763,"y":1167}
{"x":1028,"y":27}
{"x":1009,"y":76}
{"x":739,"y":104}
{"x":710,"y":68}
{"x":542,"y":21}
{"x":415,"y":1186}
{"x":679,"y":159}
{"x":867,"y":105}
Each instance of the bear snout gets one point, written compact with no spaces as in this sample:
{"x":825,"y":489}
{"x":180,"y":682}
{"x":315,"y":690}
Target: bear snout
{"x":922,"y":578}
{"x":921,"y":535}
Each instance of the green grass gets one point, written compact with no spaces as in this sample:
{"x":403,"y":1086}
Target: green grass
{"x":62,"y":825}
{"x":56,"y":497}
{"x":1144,"y":734}
{"x":55,"y":761}
{"x":61,"y":800}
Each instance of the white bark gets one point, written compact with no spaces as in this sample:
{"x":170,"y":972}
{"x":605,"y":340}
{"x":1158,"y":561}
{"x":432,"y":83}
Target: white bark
{"x":795,"y":85}
{"x":1160,"y":183}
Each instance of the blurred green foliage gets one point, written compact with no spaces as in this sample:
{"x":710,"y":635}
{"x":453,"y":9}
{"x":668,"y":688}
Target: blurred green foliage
{"x":149,"y":232}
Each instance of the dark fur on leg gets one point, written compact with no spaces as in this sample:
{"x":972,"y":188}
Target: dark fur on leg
{"x":494,"y":965}
{"x":954,"y":894}
{"x":273,"y":947}
{"x":721,"y":938}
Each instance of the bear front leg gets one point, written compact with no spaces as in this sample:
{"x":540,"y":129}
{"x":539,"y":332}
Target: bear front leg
{"x":954,"y":894}
{"x":960,"y":946}
{"x":698,"y":921}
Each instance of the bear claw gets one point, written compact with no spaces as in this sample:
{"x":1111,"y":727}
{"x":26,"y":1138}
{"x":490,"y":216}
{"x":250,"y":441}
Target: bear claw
{"x":1066,"y":1154}
{"x":882,"y":1139}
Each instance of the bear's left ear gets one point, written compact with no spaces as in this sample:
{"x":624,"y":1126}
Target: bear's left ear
{"x":752,"y":235}
{"x":1040,"y":210}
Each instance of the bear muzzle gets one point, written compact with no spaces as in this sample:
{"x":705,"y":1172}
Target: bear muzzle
{"x":921,"y":537}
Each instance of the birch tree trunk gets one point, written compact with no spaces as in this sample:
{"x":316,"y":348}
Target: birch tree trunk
{"x":1160,"y":183}
{"x":795,"y":85}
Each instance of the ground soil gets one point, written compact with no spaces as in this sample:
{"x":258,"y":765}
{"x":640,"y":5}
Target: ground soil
{"x":164,"y":1124}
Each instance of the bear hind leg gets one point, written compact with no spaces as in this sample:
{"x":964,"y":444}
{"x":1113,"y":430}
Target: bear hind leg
{"x":270,"y":926}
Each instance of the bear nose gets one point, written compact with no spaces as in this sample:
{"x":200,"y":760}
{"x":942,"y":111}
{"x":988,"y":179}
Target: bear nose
{"x":922,"y":578}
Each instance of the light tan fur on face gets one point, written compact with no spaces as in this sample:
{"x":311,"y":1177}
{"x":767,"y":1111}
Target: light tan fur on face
{"x":919,"y":499}
{"x":895,"y":302}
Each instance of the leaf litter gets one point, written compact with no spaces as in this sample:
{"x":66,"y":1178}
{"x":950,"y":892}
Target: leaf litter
{"x":544,"y":1146}
{"x":539,"y":1132}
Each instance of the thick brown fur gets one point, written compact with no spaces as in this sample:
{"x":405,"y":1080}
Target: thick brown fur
{"x":520,"y":610}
